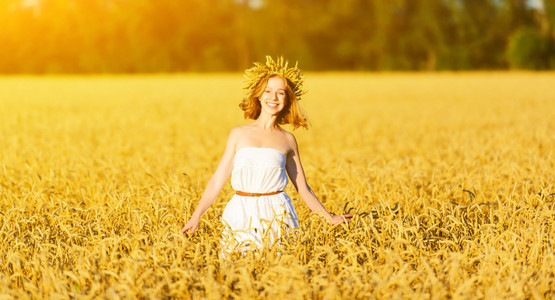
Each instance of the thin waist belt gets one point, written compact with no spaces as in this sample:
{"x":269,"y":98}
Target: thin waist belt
{"x":256,"y":194}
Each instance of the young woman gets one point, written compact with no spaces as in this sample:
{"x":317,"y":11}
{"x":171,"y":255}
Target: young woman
{"x":258,"y":157}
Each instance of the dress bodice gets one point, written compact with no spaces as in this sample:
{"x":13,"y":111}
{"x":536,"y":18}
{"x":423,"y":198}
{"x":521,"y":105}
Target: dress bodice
{"x":257,"y":221}
{"x":259,"y":170}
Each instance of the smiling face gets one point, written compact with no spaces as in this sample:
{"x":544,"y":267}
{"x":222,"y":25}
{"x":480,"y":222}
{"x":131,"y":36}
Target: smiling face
{"x":274,"y":96}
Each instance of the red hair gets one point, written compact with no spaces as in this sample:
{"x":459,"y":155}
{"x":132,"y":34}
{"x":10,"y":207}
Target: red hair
{"x":290,"y":114}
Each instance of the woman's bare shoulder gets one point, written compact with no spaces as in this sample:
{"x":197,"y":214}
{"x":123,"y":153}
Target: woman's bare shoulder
{"x":244,"y":127}
{"x":291,"y":140}
{"x":239,"y":131}
{"x":240,"y":128}
{"x":235,"y":133}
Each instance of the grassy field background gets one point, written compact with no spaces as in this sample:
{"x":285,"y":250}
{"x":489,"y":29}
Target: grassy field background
{"x":454,"y":174}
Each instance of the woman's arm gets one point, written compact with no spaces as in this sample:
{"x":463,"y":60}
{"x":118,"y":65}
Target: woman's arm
{"x":216,"y":183}
{"x":296,"y":174}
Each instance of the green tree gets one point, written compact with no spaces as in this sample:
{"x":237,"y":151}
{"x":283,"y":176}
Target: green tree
{"x":528,"y":49}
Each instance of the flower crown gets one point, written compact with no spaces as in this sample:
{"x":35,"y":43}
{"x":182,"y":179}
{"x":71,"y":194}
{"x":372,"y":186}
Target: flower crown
{"x":259,"y":71}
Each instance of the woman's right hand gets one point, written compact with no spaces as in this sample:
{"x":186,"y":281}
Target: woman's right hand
{"x":345,"y":218}
{"x":191,"y":225}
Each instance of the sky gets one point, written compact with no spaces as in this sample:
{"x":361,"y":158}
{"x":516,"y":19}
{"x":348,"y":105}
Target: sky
{"x":536,"y":3}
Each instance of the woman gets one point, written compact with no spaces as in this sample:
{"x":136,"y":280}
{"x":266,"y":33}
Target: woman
{"x":259,"y":156}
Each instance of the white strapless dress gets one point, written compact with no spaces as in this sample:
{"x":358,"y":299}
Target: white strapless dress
{"x":257,"y":221}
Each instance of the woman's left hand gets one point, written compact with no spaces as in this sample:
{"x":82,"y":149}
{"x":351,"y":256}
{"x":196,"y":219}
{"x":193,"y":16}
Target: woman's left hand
{"x":341,"y":218}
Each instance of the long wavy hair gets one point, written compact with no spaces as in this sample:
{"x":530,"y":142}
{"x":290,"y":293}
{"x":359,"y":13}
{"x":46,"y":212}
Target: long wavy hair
{"x":291,"y":112}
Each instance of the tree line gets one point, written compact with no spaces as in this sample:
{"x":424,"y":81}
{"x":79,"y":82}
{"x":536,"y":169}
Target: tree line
{"x":139,"y":36}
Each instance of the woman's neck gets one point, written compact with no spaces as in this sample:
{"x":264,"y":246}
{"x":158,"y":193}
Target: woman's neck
{"x":266,"y":121}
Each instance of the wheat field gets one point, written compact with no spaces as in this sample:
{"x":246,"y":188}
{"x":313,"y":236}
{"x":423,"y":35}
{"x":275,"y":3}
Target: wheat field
{"x":452,"y":176}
